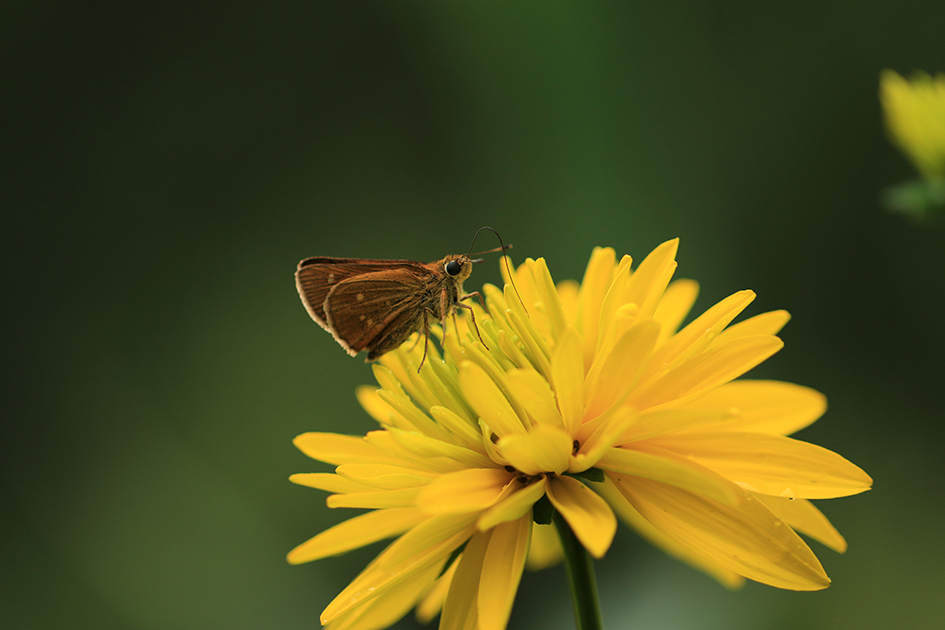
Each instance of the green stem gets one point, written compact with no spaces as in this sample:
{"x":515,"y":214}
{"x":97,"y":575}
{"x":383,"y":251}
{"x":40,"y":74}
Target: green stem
{"x":580,"y":568}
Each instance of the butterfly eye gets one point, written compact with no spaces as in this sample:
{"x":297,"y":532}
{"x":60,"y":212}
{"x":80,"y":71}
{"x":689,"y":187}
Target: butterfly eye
{"x":453,"y":267}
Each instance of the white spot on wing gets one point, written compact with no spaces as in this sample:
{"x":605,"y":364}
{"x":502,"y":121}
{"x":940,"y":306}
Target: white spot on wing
{"x":360,"y":297}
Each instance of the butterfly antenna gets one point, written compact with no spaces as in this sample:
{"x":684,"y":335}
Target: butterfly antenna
{"x":502,"y":248}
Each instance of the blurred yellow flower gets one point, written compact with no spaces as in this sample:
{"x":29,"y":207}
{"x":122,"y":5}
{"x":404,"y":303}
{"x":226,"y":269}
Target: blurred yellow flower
{"x":915,"y":117}
{"x":590,"y":397}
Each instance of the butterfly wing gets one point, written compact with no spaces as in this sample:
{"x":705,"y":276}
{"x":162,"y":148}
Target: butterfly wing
{"x":315,"y":277}
{"x":376,"y":311}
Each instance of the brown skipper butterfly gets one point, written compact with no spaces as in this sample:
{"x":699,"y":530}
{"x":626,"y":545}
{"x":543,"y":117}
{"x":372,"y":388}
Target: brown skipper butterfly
{"x":375,"y":305}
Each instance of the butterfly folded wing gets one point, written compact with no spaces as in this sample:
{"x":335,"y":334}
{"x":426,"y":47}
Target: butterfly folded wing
{"x":375,"y":311}
{"x":315,"y":277}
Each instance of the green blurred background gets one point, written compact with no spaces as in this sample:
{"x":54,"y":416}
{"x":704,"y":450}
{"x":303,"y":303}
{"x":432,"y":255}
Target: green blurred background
{"x":166,"y":166}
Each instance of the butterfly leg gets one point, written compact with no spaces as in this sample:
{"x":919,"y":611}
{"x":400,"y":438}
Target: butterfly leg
{"x":477,"y":295}
{"x":415,"y":342}
{"x":473,"y":315}
{"x":426,"y":339}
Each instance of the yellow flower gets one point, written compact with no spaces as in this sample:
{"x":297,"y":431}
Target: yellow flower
{"x":590,"y":397}
{"x":915,"y":116}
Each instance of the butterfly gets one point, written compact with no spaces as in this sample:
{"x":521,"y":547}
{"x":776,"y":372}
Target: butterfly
{"x":375,"y":305}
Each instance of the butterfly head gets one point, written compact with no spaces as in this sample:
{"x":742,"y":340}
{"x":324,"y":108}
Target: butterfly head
{"x":457,"y":267}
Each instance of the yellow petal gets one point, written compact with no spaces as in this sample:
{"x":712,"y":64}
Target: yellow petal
{"x":648,"y":282}
{"x":384,"y":476}
{"x":377,"y":408}
{"x":801,"y":515}
{"x":629,"y":515}
{"x":460,"y":610}
{"x":597,"y":279}
{"x":771,"y":464}
{"x":589,"y":516}
{"x":417,"y":550}
{"x":452,"y":397}
{"x":746,"y":538}
{"x":705,"y":372}
{"x":544,"y":449}
{"x":516,"y":505}
{"x":611,"y":378}
{"x":525,"y":284}
{"x":404,"y":402}
{"x":403,"y":369}
{"x":409,"y":451}
{"x":650,"y":424}
{"x":531,"y":339}
{"x":427,"y":449}
{"x":388,"y":608}
{"x":567,"y":369}
{"x":416,"y":419}
{"x":489,"y":361}
{"x":644,"y":460}
{"x":545,"y":549}
{"x":915,"y":117}
{"x":509,"y":347}
{"x":492,"y":333}
{"x":405,"y":497}
{"x":432,"y":603}
{"x":597,"y":437}
{"x":570,"y":302}
{"x":329,"y":482}
{"x":769,"y":323}
{"x":677,"y":301}
{"x":534,"y":395}
{"x":549,"y":297}
{"x":470,"y":490}
{"x":332,"y":448}
{"x":488,"y":401}
{"x":764,"y":406}
{"x":462,"y":430}
{"x":357,"y":532}
{"x":445,"y":531}
{"x":615,"y":298}
{"x":699,"y":333}
{"x":502,"y":571}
